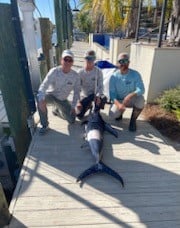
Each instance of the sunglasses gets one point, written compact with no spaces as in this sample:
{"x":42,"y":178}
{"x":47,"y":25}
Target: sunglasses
{"x":90,"y":58}
{"x":69,"y":60}
{"x":123,"y":61}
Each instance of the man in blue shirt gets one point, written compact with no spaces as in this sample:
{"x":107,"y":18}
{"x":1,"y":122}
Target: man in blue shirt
{"x":126,"y":89}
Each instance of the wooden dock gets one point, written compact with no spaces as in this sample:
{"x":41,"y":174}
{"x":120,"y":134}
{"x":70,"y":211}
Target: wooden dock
{"x":47,"y":194}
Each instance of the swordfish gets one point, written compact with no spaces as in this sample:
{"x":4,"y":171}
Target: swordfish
{"x":94,"y":128}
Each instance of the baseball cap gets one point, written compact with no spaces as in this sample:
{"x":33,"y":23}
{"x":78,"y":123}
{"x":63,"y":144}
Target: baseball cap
{"x":90,"y":55}
{"x":67,"y":53}
{"x":123,"y":56}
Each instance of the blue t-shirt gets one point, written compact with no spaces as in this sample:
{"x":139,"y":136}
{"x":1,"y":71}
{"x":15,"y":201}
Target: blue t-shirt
{"x":123,"y":84}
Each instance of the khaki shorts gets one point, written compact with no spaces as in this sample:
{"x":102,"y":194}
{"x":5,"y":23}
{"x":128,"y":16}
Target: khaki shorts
{"x":137,"y":102}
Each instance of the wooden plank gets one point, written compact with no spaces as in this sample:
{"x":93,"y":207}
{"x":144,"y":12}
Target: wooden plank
{"x":64,"y":201}
{"x":163,"y":224}
{"x":48,"y":195}
{"x":98,"y":216}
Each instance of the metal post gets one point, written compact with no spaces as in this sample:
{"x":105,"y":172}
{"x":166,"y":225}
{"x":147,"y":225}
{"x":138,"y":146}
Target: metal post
{"x":161,"y":29}
{"x":138,"y":20}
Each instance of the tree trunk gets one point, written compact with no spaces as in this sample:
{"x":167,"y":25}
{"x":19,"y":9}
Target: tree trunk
{"x":133,"y":19}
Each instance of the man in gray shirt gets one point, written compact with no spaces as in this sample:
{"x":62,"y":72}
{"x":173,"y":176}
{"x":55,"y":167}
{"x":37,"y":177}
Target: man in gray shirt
{"x":56,"y":87}
{"x":91,"y":84}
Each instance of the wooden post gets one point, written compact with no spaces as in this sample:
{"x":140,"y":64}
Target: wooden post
{"x":4,"y":211}
{"x":12,"y":84}
{"x":43,"y":69}
{"x":70,"y":25}
{"x":46,"y":39}
{"x":65,"y":23}
{"x":59,"y":28}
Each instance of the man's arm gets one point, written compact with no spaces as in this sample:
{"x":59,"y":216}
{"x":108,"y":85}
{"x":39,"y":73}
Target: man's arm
{"x":42,"y":89}
{"x":139,"y":85}
{"x":139,"y":90}
{"x":100,"y":86}
{"x":113,"y":94}
{"x":77,"y":88}
{"x":49,"y":80}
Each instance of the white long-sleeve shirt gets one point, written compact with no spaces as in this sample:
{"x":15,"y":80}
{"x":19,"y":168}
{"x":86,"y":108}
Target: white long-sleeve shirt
{"x":91,"y":82}
{"x":60,"y":85}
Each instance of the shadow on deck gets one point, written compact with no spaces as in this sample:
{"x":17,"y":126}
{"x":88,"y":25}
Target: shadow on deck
{"x":47,"y":194}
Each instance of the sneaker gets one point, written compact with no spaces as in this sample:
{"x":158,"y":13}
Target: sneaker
{"x":43,"y":130}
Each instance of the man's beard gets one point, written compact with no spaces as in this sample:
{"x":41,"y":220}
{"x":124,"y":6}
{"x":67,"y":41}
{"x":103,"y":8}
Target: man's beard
{"x":124,"y":67}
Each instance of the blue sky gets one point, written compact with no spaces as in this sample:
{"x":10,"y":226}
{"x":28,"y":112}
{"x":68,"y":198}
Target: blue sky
{"x":45,"y":7}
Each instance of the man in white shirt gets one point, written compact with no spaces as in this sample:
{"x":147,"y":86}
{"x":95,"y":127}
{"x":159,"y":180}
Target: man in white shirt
{"x":55,"y":89}
{"x":91,"y":84}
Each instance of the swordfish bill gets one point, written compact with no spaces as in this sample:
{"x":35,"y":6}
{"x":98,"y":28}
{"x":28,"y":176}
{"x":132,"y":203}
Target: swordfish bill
{"x":95,"y":127}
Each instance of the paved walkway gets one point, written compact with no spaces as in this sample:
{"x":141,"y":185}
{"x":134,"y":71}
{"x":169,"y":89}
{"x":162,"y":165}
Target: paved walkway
{"x":47,"y":194}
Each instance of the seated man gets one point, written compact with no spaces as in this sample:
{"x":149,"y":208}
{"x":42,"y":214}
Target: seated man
{"x":56,"y":87}
{"x":91,"y":84}
{"x":126,"y":89}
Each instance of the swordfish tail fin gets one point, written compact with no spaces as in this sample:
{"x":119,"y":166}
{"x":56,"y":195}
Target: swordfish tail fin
{"x":100,"y":168}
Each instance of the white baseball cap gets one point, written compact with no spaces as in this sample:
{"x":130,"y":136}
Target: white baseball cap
{"x":67,"y":53}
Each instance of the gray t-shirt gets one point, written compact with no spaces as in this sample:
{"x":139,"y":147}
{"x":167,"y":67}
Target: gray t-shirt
{"x":60,"y":85}
{"x":91,"y":82}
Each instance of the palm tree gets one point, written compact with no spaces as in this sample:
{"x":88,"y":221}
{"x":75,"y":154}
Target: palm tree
{"x":105,"y":14}
{"x":83,"y":22}
{"x":115,"y":15}
{"x":130,"y":21}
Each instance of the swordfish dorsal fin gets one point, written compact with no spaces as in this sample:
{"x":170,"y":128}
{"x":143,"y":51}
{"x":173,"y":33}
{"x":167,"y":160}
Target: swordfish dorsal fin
{"x":100,"y":168}
{"x":111,"y":130}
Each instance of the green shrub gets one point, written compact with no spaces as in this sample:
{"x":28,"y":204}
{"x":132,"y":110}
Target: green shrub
{"x":170,"y":100}
{"x":177,"y":113}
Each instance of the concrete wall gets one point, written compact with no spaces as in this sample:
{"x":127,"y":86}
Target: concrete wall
{"x":101,"y":52}
{"x":159,"y":67}
{"x":117,"y":46}
{"x":141,"y":59}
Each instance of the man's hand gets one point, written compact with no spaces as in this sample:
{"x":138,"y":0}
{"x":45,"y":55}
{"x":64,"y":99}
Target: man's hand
{"x":42,"y":105}
{"x":120,"y":106}
{"x":78,"y":107}
{"x":128,"y":98}
{"x":97,"y":100}
{"x":73,"y":112}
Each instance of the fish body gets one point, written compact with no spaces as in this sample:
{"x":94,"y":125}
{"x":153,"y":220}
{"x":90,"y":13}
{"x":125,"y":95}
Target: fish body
{"x":95,"y":128}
